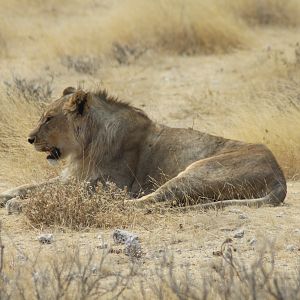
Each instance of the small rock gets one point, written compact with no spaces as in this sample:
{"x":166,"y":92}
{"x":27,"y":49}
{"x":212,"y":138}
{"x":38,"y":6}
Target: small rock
{"x":235,"y":211}
{"x":46,"y":238}
{"x":121,"y":236}
{"x":243,"y":217}
{"x":132,"y":245}
{"x":280,"y":215}
{"x":297,"y":230}
{"x":239,"y":233}
{"x":252,"y":242}
{"x":291,"y":248}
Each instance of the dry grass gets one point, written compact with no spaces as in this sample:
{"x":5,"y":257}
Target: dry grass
{"x":266,"y":12}
{"x":88,"y":274}
{"x":76,"y":206}
{"x":16,"y":153}
{"x":265,"y":108}
{"x":269,"y":110}
{"x":73,"y":274}
{"x":272,"y":124}
{"x":173,"y":26}
{"x":183,"y":27}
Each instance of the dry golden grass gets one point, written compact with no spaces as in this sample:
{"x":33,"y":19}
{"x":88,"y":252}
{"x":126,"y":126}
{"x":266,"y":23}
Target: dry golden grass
{"x":183,"y":27}
{"x":274,"y":124}
{"x":266,"y":12}
{"x":16,"y":155}
{"x":173,"y":26}
{"x":269,"y":111}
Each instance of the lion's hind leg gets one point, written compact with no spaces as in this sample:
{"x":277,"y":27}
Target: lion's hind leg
{"x":248,"y":177}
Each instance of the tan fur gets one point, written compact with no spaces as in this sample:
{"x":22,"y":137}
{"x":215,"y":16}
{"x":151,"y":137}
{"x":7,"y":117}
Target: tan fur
{"x":104,"y":139}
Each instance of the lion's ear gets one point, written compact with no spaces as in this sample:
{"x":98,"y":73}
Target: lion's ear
{"x":69,"y":90}
{"x":77,"y":103}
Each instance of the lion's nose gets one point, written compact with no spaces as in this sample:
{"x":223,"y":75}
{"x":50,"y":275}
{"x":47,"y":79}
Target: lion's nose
{"x":31,"y":140}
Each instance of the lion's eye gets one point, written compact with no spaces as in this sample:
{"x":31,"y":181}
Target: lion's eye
{"x":48,"y":119}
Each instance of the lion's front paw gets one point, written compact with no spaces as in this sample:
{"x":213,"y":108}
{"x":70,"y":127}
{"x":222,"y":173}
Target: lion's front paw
{"x":14,"y":205}
{"x":4,"y":197}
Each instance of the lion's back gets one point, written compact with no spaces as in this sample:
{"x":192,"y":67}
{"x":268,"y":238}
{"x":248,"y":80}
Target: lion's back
{"x":165,"y":155}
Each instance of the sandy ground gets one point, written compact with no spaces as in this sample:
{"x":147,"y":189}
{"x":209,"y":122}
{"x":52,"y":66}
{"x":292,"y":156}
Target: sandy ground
{"x":191,"y":238}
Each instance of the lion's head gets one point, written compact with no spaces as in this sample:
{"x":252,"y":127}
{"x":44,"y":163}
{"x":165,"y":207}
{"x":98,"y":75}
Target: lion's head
{"x":89,"y":129}
{"x":56,"y":130}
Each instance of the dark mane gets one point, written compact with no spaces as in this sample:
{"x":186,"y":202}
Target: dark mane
{"x":103,"y":95}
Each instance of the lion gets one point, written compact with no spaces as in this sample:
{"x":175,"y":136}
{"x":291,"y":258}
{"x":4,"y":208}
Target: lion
{"x":104,"y":139}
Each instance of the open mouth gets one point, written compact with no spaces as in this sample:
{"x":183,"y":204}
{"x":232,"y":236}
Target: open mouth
{"x":54,"y":154}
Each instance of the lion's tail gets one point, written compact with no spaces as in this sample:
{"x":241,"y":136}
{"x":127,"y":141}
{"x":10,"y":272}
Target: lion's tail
{"x":275,"y":197}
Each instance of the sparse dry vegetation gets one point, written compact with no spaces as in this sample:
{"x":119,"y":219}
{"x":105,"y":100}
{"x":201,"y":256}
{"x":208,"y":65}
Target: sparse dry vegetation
{"x":87,"y":274}
{"x":81,"y":64}
{"x":266,"y":12}
{"x":183,"y":27}
{"x":230,"y":68}
{"x":175,"y":26}
{"x":77,"y":205}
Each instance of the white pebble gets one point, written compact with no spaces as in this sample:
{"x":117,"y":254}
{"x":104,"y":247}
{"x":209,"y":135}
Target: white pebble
{"x":46,"y":238}
{"x":239,"y":233}
{"x":291,"y":248}
{"x":243,"y":217}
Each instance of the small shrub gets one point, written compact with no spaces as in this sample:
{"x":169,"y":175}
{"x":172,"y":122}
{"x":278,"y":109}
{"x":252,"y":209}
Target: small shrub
{"x":82,"y":64}
{"x":125,"y":54}
{"x":76,"y":206}
{"x":30,"y":89}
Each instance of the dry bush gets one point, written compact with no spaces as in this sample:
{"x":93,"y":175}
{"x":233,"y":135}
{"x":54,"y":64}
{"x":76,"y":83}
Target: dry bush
{"x":30,"y":89}
{"x":76,"y":206}
{"x":266,"y":12}
{"x":82,"y":64}
{"x":230,"y":277}
{"x":87,"y":273}
{"x":71,"y":274}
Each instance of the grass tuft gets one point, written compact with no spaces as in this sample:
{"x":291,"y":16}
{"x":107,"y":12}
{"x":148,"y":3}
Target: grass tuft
{"x":75,"y":206}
